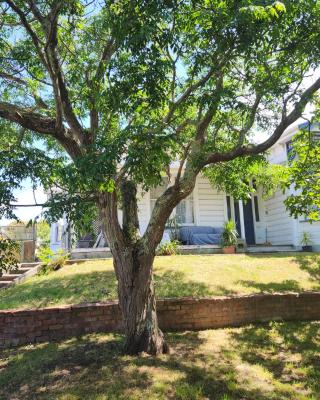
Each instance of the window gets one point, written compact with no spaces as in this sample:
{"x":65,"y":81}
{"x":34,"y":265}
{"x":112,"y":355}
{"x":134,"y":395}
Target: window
{"x":229,"y":207}
{"x":290,"y":150}
{"x":184,"y":211}
{"x":256,"y":208}
{"x":58,"y":233}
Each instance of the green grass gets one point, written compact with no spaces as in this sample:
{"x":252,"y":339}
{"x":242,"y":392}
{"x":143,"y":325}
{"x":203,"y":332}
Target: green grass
{"x":275,"y":361}
{"x":175,"y":276}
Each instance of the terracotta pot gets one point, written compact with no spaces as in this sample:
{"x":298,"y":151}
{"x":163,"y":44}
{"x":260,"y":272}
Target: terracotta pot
{"x":229,"y":250}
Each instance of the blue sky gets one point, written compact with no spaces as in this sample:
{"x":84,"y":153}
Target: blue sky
{"x":25,"y":196}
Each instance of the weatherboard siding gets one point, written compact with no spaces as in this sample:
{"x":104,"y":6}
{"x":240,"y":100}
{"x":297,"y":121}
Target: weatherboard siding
{"x":280,"y":226}
{"x":314,"y":231}
{"x":210,"y":203}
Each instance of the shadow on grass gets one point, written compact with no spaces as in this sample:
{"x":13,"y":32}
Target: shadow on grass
{"x":93,"y":367}
{"x":272,"y":287}
{"x":289,"y":351}
{"x":310,"y":264}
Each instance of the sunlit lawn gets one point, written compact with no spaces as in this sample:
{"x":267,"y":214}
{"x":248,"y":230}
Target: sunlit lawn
{"x":175,"y":276}
{"x":265,"y":362}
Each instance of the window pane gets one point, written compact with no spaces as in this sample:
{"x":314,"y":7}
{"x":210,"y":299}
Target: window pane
{"x":256,"y":208}
{"x":184,"y":211}
{"x":181,"y":212}
{"x":229,"y":207}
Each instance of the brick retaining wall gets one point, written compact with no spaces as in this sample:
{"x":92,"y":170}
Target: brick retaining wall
{"x":48,"y":324}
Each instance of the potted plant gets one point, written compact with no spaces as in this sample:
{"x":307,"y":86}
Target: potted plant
{"x":229,"y":237}
{"x":306,"y":241}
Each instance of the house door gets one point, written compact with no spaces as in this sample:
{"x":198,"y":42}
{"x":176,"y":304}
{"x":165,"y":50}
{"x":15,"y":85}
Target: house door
{"x":248,"y":222}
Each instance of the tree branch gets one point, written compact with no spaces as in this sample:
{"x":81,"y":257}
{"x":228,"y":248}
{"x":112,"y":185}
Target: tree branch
{"x":107,"y":53}
{"x":187,"y":94}
{"x":29,"y":119}
{"x":285,"y":122}
{"x":206,"y":120}
{"x":250,"y":120}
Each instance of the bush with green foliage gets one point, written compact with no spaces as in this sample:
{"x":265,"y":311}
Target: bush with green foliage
{"x":51,"y":261}
{"x":9,"y":251}
{"x":229,"y":235}
{"x":168,"y":248}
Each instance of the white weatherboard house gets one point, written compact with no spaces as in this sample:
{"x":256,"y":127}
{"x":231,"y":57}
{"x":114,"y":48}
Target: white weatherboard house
{"x":261,"y":223}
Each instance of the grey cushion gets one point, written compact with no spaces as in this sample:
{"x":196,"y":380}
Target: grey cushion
{"x":218,"y":230}
{"x":205,"y":238}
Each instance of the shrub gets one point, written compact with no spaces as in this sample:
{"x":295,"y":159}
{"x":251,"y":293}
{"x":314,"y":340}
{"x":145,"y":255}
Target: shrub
{"x":306,"y":239}
{"x":168,"y":248}
{"x":50,"y":260}
{"x":9,"y":252}
{"x":229,"y":234}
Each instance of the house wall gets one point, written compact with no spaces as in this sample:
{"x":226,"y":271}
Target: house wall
{"x":280,"y":226}
{"x":144,"y":210}
{"x":56,"y":240}
{"x":313,"y":229}
{"x":278,"y":154}
{"x":210,"y":205}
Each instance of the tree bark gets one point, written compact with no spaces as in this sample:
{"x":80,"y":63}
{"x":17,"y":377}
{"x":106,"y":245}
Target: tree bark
{"x":137,"y":302}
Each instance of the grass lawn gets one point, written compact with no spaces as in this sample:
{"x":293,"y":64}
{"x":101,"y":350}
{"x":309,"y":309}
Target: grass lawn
{"x":175,"y":276}
{"x":265,"y":362}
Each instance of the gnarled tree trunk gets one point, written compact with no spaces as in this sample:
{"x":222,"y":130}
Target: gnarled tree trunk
{"x":137,"y":303}
{"x":133,"y":261}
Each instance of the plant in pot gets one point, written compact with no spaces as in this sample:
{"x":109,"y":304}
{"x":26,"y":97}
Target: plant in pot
{"x":229,"y":237}
{"x":306,"y":241}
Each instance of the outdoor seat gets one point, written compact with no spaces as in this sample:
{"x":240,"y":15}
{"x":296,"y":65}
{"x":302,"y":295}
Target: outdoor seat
{"x":199,"y":235}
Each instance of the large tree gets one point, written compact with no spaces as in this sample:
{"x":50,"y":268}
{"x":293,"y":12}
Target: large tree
{"x":99,"y":97}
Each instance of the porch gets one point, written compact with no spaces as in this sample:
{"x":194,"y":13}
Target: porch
{"x":259,"y":222}
{"x":104,"y":252}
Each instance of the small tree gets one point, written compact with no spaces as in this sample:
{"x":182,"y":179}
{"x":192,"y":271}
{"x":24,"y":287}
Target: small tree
{"x":9,"y":252}
{"x":43,"y":232}
{"x":100,"y":97}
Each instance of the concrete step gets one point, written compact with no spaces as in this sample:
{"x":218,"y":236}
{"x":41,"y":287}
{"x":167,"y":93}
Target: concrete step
{"x":23,"y":272}
{"x":9,"y":277}
{"x":4,"y":284}
{"x":271,"y":249}
{"x":29,"y":265}
{"x":20,"y":270}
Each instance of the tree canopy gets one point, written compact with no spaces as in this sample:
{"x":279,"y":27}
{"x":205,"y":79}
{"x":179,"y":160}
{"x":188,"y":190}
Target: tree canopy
{"x":139,"y":83}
